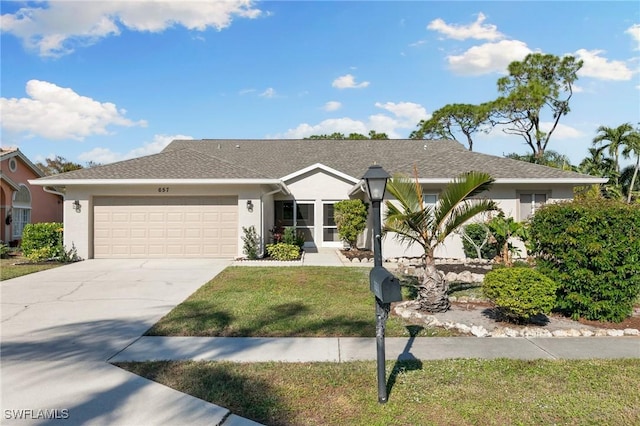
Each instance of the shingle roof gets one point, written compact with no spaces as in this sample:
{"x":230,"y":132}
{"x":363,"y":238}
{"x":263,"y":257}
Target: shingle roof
{"x":274,"y":159}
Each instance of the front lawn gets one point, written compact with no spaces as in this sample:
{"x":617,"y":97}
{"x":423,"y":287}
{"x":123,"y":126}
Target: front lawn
{"x":282,"y":301}
{"x":451,"y":392}
{"x":18,"y":266}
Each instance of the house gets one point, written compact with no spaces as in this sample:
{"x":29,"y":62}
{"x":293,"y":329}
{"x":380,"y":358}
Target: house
{"x":20,"y":201}
{"x":193,"y":198}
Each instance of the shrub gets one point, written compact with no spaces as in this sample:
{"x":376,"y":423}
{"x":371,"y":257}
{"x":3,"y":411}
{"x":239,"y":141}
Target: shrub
{"x":591,"y":248}
{"x":351,"y":220}
{"x":289,"y":237}
{"x":479,"y":235}
{"x":42,"y":240}
{"x":520,"y":293}
{"x":283,"y":251}
{"x":251,"y":242}
{"x":4,"y":250}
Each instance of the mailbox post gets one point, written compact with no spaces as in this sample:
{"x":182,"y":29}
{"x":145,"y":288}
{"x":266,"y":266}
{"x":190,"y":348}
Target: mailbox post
{"x":382,"y":283}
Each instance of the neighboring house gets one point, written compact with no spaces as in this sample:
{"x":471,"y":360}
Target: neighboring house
{"x":193,"y":198}
{"x":20,"y":201}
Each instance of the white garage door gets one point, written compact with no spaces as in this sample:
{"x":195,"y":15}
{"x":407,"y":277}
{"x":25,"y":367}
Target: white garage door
{"x":165,"y":227}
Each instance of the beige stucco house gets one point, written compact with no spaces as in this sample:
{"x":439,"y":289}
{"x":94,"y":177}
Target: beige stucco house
{"x":193,"y":198}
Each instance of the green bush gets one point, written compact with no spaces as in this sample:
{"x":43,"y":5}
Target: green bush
{"x":283,"y":251}
{"x":351,"y":220}
{"x":4,"y":250}
{"x":42,"y":240}
{"x":520,"y":293}
{"x":289,"y":237}
{"x":591,"y":248}
{"x":251,"y":242}
{"x":478,"y":233}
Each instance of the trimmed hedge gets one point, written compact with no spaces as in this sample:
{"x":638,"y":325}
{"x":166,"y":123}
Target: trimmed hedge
{"x":520,"y":293}
{"x":591,"y":248}
{"x":42,"y":241}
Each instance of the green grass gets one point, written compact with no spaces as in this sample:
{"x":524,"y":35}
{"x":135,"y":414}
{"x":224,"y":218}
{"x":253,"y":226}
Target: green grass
{"x":9,"y":269}
{"x":451,"y":392}
{"x":282,"y":302}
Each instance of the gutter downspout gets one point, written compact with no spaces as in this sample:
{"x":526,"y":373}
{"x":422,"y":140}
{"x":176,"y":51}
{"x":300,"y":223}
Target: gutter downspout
{"x":51,"y":191}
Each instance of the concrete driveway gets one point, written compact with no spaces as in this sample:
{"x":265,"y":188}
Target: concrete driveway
{"x":60,"y":326}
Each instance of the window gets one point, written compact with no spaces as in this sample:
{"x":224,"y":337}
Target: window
{"x":530,"y":203}
{"x":430,"y":199}
{"x":299,"y":215}
{"x":21,"y":210}
{"x":13,"y":164}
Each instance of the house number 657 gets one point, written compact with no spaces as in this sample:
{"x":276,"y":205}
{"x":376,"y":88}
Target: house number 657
{"x":163,"y":189}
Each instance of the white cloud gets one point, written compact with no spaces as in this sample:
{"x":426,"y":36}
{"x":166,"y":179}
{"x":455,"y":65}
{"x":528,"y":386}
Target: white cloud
{"x":332,"y":106}
{"x":488,"y":57}
{"x":404,"y":117}
{"x":476,"y":30}
{"x":634,"y":32}
{"x":269,"y":93}
{"x":598,"y":67}
{"x":54,"y":112}
{"x":348,"y":82}
{"x":106,"y":155}
{"x":53,"y":28}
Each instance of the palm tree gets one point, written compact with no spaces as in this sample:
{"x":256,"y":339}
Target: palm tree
{"x":413,"y":221}
{"x":617,"y":138}
{"x":597,"y":164}
{"x":632,"y":145}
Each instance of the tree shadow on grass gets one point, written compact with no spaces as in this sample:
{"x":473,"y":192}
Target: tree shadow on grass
{"x":219,"y":383}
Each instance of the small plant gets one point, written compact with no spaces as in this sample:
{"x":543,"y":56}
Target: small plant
{"x":351,"y":220}
{"x":251,"y":242}
{"x":520,"y":293}
{"x":4,"y":250}
{"x":289,"y":237}
{"x":283,"y":251}
{"x":475,"y":241}
{"x":69,"y":256}
{"x":503,"y":229}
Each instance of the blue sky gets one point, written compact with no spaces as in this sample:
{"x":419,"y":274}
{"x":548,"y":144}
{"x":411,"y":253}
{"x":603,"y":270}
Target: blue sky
{"x":109,"y":80}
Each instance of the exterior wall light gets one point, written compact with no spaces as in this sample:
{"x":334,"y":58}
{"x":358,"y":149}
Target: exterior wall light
{"x":250,"y":205}
{"x":76,"y":206}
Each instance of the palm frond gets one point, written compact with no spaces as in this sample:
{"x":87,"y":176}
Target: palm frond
{"x":462,"y":188}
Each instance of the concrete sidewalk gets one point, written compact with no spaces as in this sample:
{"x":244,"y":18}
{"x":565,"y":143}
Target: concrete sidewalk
{"x":345,"y":349}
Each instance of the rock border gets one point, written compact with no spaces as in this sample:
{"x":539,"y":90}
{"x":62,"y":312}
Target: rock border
{"x":404,"y":310}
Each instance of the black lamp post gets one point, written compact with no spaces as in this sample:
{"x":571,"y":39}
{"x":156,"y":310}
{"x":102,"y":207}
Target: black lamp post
{"x":376,"y":181}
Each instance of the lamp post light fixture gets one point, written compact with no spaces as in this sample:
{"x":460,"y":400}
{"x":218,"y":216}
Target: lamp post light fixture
{"x":383,"y":284}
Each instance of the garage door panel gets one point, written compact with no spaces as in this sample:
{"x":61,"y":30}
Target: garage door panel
{"x":165,"y":227}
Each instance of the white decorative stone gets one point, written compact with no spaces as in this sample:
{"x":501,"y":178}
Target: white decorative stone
{"x":463,"y":328}
{"x":560,"y":333}
{"x":615,"y":333}
{"x":631,"y":332}
{"x":509,"y":332}
{"x":477,"y":278}
{"x":479,"y":331}
{"x":600,"y":332}
{"x":451,"y":277}
{"x":465,"y":277}
{"x":586,"y":332}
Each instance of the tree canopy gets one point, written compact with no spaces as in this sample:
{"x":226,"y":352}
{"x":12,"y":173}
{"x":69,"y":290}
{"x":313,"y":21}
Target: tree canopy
{"x":465,"y":118}
{"x":57,"y":165}
{"x":538,"y":84}
{"x":352,"y":136}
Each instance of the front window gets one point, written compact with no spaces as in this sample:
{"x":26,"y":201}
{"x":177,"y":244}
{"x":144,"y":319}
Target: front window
{"x":298,"y":215}
{"x":21,"y":210}
{"x":530,"y":203}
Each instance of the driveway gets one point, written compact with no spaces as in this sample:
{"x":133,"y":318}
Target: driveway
{"x":60,"y":326}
